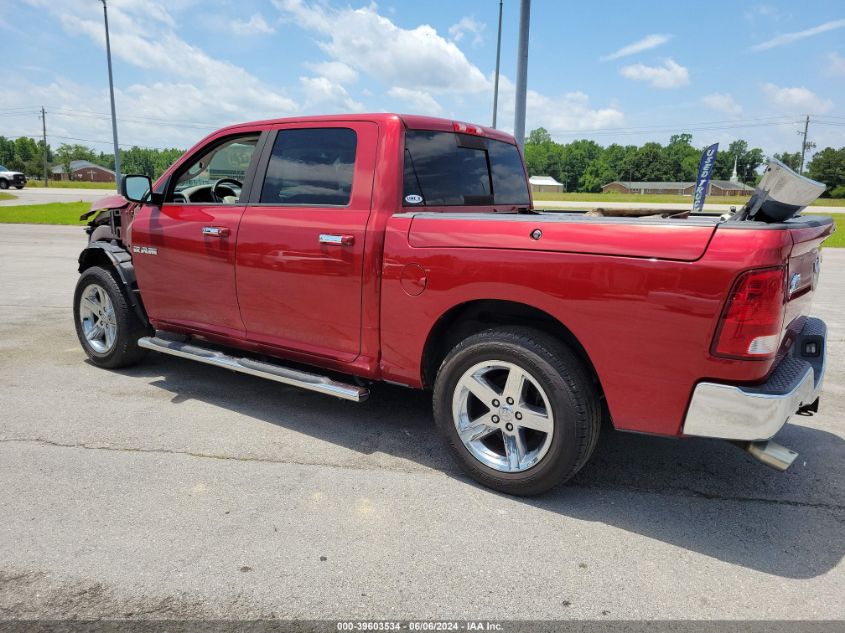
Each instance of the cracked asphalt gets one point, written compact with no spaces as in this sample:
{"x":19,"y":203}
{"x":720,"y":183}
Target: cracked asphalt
{"x":177,"y":490}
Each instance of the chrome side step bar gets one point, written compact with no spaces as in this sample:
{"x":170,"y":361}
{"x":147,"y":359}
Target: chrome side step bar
{"x":284,"y":375}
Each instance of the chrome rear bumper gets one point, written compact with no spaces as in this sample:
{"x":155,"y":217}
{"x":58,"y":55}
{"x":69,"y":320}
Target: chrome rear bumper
{"x":759,"y":412}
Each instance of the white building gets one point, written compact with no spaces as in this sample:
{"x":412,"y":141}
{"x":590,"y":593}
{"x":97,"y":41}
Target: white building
{"x":545,"y":183}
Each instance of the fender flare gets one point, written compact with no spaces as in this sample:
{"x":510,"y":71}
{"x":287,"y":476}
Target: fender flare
{"x":98,"y":253}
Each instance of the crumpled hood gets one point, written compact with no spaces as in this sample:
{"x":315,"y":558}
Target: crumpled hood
{"x":109,"y":202}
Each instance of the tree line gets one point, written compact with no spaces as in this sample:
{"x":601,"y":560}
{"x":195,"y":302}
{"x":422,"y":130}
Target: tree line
{"x":27,"y":155}
{"x":585,"y":166}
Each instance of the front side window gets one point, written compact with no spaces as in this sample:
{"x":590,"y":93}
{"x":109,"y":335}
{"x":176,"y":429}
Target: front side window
{"x":217,"y":175}
{"x":311,"y":167}
{"x":449,"y":169}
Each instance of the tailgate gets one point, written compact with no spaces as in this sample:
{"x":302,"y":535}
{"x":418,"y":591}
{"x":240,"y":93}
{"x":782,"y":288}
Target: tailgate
{"x":804,"y":265}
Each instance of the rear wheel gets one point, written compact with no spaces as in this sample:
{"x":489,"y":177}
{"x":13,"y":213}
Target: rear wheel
{"x":4,"y":184}
{"x":107,"y":326}
{"x":517,"y":409}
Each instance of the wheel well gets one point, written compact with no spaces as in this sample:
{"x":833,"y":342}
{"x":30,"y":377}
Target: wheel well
{"x":94,"y":257}
{"x":115,"y":258}
{"x":476,"y":316}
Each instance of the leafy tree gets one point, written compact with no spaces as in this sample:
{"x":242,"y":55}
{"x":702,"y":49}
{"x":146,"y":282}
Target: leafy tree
{"x":540,"y":136}
{"x":828,"y":166}
{"x":793,"y":160}
{"x":67,"y":153}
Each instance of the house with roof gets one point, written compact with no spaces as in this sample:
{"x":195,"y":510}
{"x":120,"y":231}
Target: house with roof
{"x":83,"y":170}
{"x":545,"y":183}
{"x":717,"y":188}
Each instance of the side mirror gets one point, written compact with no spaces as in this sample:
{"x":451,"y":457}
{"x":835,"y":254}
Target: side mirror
{"x":135,"y":187}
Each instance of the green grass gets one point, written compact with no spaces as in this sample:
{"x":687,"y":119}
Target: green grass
{"x":72,"y":184}
{"x":6,"y":196}
{"x":53,"y":213}
{"x":686,"y":200}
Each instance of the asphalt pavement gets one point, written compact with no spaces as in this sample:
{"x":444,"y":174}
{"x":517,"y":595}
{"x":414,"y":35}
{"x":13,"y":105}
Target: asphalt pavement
{"x":43,"y":195}
{"x":178,"y":490}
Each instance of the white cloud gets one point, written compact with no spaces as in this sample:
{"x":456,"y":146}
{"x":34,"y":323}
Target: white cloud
{"x":336,"y":71}
{"x":722,"y":102}
{"x":564,"y":114}
{"x":647,"y":43}
{"x":835,"y":65}
{"x":256,"y":25}
{"x":191,"y":85}
{"x":420,"y":101}
{"x":417,"y":59}
{"x":670,"y":75}
{"x":789,"y":38}
{"x":330,"y":96}
{"x":762,"y":11}
{"x":796,"y":100}
{"x":468,"y":25}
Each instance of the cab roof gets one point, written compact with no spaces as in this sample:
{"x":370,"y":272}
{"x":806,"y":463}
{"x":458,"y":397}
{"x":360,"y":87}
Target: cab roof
{"x":410,"y":121}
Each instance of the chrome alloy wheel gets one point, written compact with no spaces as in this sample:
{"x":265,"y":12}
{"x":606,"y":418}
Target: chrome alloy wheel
{"x":99,"y":323}
{"x":503,"y":416}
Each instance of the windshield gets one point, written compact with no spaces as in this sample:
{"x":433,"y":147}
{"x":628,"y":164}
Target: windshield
{"x":449,"y":169}
{"x":3,"y":168}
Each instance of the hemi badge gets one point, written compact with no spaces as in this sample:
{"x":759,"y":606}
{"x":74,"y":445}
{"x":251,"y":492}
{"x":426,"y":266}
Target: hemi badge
{"x":794,"y":282}
{"x":145,"y":250}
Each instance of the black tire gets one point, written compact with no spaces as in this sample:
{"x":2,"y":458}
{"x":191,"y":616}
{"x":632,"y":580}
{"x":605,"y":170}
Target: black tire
{"x":571,"y":393}
{"x":18,"y":186}
{"x":4,"y":184}
{"x":124,"y":351}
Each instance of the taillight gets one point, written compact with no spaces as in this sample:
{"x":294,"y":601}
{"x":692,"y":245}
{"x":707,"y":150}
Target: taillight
{"x":753,"y":318}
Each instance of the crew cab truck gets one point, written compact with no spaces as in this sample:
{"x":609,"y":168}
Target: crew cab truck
{"x":329,"y":252}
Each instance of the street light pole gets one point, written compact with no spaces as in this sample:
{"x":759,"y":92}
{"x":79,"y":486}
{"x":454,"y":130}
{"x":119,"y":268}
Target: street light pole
{"x":498,"y":58}
{"x":111,"y":94}
{"x":522,"y":72}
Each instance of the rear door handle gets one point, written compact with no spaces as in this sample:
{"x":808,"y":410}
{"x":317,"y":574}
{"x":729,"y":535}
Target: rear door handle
{"x":341,"y":240}
{"x":215,"y":231}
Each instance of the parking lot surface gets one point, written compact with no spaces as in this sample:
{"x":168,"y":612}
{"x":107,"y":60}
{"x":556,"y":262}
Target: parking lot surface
{"x":45,"y":195}
{"x":177,"y":490}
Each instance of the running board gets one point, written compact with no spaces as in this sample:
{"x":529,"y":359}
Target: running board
{"x":284,"y":375}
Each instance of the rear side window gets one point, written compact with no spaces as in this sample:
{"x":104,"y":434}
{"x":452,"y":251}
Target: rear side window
{"x":448,"y":169}
{"x":311,"y":167}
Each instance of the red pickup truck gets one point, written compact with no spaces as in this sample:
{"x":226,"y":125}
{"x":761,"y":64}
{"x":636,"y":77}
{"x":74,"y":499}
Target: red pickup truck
{"x":328,"y":252}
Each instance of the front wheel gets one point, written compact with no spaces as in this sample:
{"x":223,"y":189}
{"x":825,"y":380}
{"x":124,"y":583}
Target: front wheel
{"x":517,"y":409}
{"x":107,"y":326}
{"x":18,"y":186}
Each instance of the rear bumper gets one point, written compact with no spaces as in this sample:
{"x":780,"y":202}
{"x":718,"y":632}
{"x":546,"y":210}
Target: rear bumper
{"x":759,"y":412}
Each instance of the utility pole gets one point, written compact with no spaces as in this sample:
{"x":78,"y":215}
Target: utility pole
{"x":498,"y":58}
{"x":44,"y":131}
{"x":805,"y":145}
{"x":111,"y":93}
{"x":522,"y":72}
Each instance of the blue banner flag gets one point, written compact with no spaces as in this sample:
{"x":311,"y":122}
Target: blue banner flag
{"x":705,"y":171}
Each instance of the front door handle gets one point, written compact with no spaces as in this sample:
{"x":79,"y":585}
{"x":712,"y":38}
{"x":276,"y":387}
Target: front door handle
{"x":215,"y":231}
{"x":341,"y":240}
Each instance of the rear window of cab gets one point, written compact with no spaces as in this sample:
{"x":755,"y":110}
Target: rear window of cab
{"x":453,"y":169}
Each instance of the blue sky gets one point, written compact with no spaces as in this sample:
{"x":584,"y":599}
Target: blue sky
{"x":624,"y":72}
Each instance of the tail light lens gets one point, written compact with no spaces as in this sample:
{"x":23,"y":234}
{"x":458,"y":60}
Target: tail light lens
{"x":752,"y":322}
{"x":466,"y":128}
